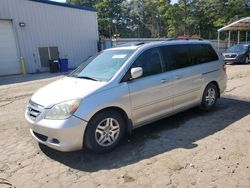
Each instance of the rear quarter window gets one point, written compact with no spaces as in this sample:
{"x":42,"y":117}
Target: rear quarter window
{"x":202,"y":53}
{"x":184,"y":55}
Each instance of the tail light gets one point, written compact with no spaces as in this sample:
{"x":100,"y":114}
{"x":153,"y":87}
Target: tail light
{"x":225,"y":68}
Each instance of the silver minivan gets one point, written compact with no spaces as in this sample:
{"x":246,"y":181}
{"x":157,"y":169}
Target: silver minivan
{"x":123,"y":88}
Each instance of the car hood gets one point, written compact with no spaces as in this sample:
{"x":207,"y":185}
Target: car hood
{"x":230,"y":53}
{"x":233,"y":53}
{"x":67,"y":88}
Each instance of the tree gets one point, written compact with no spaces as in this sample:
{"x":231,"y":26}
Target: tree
{"x":90,"y":3}
{"x":159,"y":18}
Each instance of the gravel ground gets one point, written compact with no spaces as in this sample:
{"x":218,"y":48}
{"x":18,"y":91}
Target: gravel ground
{"x":190,"y":149}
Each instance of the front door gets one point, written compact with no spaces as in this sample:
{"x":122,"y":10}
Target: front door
{"x":151,"y":95}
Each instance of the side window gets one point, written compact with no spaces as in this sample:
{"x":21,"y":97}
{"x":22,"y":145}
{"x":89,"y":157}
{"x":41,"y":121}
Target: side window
{"x":210,"y":54}
{"x":197,"y":54}
{"x":176,"y":56}
{"x":202,"y":53}
{"x":150,"y":61}
{"x":180,"y":56}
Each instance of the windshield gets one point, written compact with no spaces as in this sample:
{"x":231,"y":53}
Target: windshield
{"x":103,"y":66}
{"x":237,"y":48}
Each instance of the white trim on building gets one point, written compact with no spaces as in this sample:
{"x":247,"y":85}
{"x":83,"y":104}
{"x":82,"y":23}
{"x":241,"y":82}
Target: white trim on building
{"x":238,"y":26}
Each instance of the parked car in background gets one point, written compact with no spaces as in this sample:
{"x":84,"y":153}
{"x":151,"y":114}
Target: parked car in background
{"x":239,"y":53}
{"x":123,"y":88}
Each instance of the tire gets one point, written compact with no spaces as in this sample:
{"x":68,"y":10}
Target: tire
{"x":209,"y":97}
{"x":247,"y":60}
{"x":104,"y":131}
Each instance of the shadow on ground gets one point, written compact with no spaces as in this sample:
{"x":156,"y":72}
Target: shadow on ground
{"x":179,"y":131}
{"x":243,"y":64}
{"x":14,"y":79}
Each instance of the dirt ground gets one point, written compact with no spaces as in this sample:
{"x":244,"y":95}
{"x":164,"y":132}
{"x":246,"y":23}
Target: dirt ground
{"x":191,"y":149}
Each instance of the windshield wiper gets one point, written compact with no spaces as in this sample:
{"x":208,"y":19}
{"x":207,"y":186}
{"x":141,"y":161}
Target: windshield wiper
{"x":86,"y":77}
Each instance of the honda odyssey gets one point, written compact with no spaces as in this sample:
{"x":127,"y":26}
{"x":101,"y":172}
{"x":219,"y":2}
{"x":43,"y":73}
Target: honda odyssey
{"x":123,"y":88}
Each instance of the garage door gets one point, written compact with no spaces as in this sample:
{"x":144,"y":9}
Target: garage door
{"x":9,"y":63}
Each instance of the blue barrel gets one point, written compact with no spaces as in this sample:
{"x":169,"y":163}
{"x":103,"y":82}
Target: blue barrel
{"x":64,"y":65}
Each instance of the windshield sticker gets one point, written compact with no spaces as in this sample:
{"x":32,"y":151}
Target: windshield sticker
{"x":119,"y":56}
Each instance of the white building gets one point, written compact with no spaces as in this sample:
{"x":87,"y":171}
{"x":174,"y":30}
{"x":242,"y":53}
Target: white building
{"x":39,"y":30}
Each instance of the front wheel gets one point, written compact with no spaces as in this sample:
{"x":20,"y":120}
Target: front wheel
{"x":209,"y":97}
{"x":104,"y":131}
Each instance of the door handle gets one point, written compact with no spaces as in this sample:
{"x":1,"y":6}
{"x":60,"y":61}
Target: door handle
{"x":178,"y":77}
{"x":163,"y":81}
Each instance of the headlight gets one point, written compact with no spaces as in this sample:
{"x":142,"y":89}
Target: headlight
{"x":239,"y":55}
{"x":63,"y":110}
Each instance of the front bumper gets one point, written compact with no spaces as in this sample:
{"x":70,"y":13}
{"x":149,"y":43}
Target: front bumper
{"x":63,"y":135}
{"x":234,"y":60}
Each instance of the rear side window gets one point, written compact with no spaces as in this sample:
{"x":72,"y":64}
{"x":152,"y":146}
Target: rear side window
{"x":180,"y":56}
{"x":202,"y":53}
{"x":150,"y":61}
{"x":176,"y":56}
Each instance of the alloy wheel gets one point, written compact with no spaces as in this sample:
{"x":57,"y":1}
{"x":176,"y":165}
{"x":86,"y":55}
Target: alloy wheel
{"x":247,"y":60}
{"x":107,"y":132}
{"x":210,"y":96}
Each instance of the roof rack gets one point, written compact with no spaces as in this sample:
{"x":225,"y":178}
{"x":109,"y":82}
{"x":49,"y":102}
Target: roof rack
{"x":189,"y":39}
{"x":131,"y":44}
{"x":170,"y":39}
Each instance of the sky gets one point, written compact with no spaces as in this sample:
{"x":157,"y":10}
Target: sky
{"x":172,"y":1}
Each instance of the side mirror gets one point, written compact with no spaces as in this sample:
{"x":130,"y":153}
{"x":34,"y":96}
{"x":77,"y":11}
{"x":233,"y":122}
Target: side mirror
{"x":136,"y":72}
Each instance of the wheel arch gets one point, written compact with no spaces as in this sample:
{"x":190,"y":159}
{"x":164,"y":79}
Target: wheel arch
{"x":217,"y":85}
{"x":211,"y":82}
{"x":128,"y":121}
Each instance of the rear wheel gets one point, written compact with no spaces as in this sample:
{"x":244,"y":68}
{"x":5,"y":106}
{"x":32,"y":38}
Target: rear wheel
{"x":247,"y":60}
{"x":210,"y":97}
{"x":104,"y":131}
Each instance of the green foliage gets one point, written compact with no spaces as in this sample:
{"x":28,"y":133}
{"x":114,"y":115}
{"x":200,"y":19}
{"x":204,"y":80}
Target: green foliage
{"x":160,"y":18}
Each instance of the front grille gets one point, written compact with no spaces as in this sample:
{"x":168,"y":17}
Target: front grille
{"x":33,"y":113}
{"x":231,"y":56}
{"x":40,"y":136}
{"x":33,"y":110}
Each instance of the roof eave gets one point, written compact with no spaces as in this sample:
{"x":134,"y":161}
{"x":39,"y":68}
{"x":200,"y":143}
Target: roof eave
{"x":66,"y":5}
{"x":232,"y":26}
